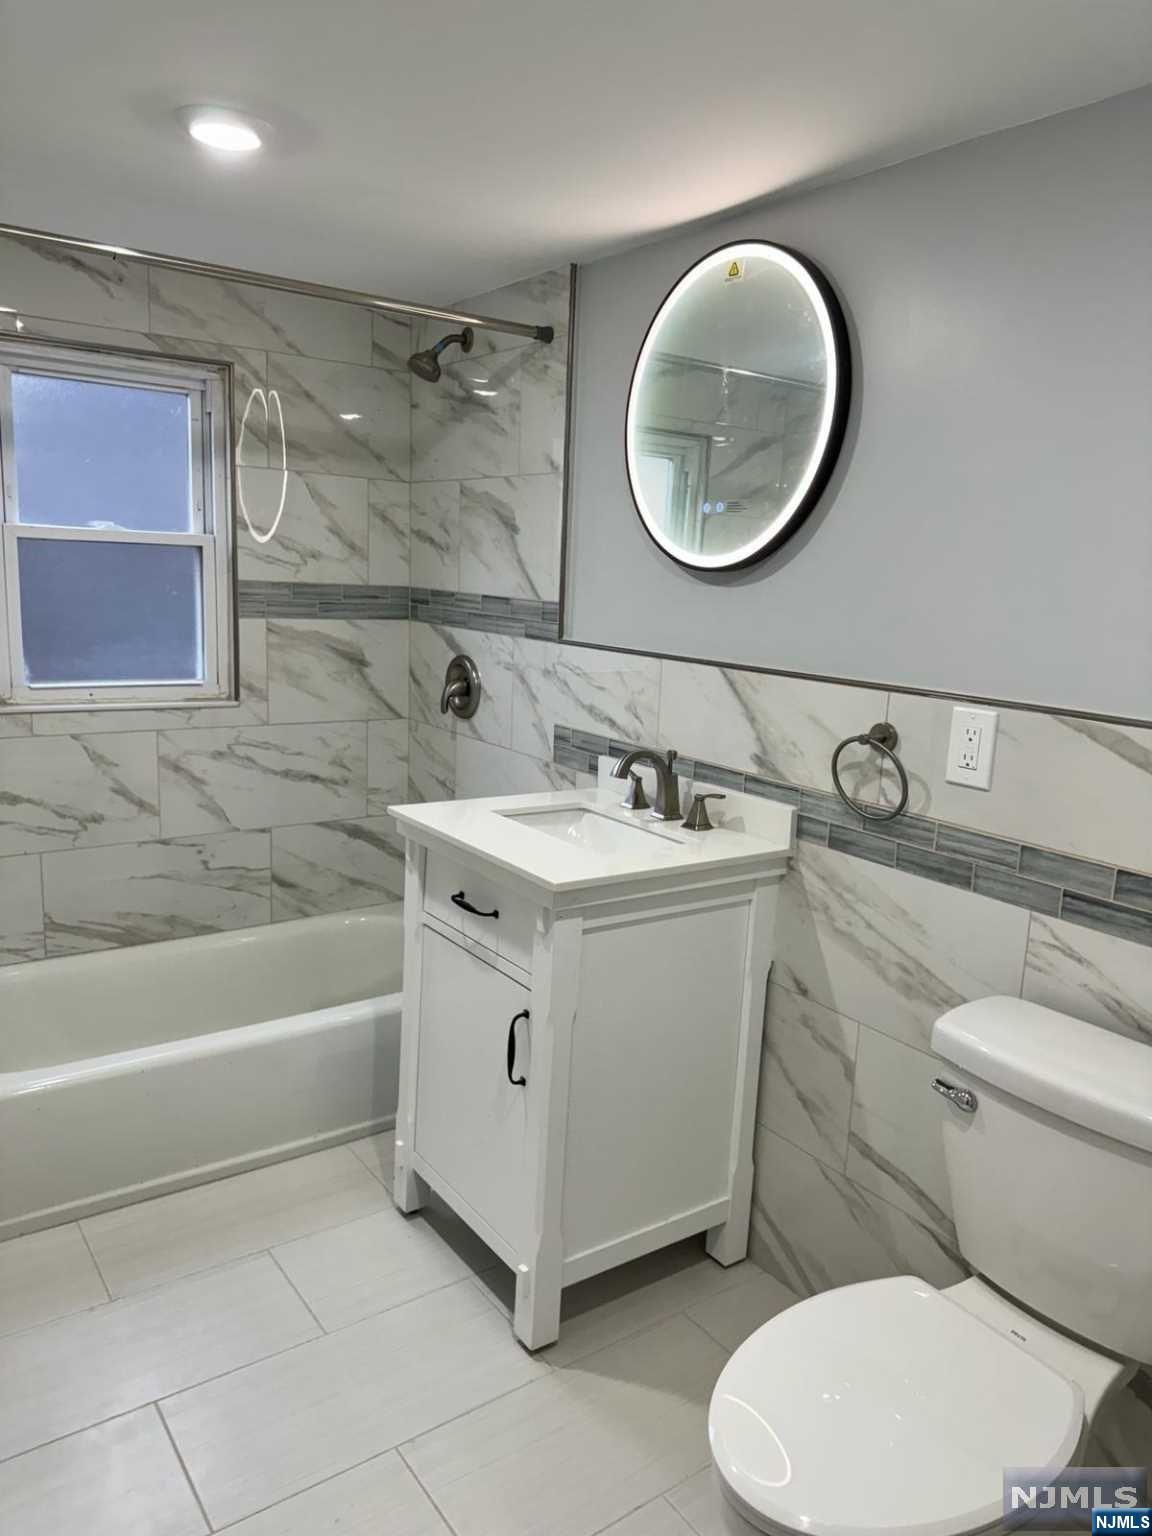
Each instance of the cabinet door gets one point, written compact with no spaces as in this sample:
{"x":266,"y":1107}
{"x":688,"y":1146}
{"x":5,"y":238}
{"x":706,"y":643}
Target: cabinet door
{"x":471,"y":1120}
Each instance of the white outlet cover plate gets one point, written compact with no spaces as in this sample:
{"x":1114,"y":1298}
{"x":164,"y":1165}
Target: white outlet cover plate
{"x":972,"y":747}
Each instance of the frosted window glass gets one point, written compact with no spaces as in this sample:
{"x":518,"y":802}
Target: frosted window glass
{"x":101,"y":455}
{"x":110,"y":613}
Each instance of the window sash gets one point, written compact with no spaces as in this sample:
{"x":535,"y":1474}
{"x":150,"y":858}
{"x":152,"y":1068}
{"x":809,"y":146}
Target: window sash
{"x":207,"y":387}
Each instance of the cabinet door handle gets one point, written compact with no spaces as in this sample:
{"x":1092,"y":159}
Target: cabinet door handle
{"x":517,"y":1082}
{"x":461,"y":901}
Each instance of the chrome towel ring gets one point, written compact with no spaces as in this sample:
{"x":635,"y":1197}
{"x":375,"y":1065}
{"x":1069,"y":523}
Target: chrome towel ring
{"x":884,"y":738}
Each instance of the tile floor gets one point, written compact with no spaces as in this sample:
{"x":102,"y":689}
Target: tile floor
{"x":283,"y":1354}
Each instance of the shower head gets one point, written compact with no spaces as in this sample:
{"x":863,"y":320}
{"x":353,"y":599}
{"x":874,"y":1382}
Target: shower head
{"x":426,"y":365}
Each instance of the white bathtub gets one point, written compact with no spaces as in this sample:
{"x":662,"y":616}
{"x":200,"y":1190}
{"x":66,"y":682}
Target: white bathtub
{"x":132,"y":1072}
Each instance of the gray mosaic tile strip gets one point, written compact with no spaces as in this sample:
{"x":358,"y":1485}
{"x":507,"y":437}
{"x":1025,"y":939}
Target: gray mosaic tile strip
{"x":977,"y":845}
{"x":1055,"y":884}
{"x":1002,"y":885}
{"x":319,"y":600}
{"x":523,"y":618}
{"x":1073,"y":874}
{"x":1134,"y":890}
{"x":1108,"y":917}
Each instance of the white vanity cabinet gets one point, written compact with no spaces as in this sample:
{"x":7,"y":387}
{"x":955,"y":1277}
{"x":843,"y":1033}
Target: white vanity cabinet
{"x":580,"y":1055}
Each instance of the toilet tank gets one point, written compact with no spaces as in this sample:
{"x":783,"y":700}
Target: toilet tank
{"x":1051,"y":1172}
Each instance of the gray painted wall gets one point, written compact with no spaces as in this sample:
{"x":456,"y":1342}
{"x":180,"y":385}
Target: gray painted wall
{"x":989,"y":531}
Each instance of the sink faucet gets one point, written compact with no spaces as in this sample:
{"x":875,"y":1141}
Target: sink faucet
{"x":667,"y":807}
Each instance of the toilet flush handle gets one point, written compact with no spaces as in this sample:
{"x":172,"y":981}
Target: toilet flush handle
{"x":963,"y":1098}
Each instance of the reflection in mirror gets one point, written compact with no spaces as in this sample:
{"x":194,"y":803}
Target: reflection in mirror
{"x":737,"y":405}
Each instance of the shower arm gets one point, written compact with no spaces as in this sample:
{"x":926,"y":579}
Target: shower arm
{"x":543,"y":333}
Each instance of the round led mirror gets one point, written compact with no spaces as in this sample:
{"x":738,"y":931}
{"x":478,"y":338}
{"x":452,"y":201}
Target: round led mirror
{"x":737,"y":406}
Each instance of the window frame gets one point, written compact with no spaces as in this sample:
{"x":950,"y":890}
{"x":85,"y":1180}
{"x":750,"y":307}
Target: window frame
{"x":208,"y":386}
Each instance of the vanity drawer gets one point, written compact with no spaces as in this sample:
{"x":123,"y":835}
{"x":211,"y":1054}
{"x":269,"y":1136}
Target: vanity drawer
{"x":480,"y":908}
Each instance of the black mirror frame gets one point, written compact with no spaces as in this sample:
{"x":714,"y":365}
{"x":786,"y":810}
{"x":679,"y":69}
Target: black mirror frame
{"x":821,"y":473}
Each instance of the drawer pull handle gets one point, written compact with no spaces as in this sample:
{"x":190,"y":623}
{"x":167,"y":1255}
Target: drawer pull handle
{"x":461,"y":901}
{"x":517,"y":1082}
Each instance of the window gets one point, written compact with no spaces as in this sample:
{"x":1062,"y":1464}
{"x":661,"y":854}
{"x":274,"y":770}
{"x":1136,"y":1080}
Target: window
{"x":117,"y":547}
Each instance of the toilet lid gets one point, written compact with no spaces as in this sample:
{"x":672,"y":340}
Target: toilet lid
{"x":881,"y":1408}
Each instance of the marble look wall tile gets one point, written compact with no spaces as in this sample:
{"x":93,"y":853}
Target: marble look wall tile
{"x":208,"y":308}
{"x":432,"y":648}
{"x":468,"y":425}
{"x":602,"y":691}
{"x":249,"y":372}
{"x":103,"y":898}
{"x":77,"y":791}
{"x":341,"y":418}
{"x":509,"y":536}
{"x":806,"y":1075}
{"x":15,"y":725}
{"x":21,"y":910}
{"x":1091,"y":976}
{"x":1109,"y":817}
{"x":389,"y":533}
{"x":435,"y":536}
{"x":337,"y":669}
{"x":262,"y":776}
{"x":432,"y":764}
{"x":890,"y":950}
{"x":813,"y":1228}
{"x":392,"y":341}
{"x":322,"y":535}
{"x":485,"y":770}
{"x":780,"y":727}
{"x":335,"y":866}
{"x":896,"y":1144}
{"x":252,"y":708}
{"x":70,"y":285}
{"x":387,"y":764}
{"x":543,"y":401}
{"x":539,"y":300}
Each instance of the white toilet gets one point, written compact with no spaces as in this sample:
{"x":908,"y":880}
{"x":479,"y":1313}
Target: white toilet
{"x":892,"y":1406}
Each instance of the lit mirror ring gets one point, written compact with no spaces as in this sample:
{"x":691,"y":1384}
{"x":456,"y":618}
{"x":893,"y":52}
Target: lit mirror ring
{"x":737,"y":406}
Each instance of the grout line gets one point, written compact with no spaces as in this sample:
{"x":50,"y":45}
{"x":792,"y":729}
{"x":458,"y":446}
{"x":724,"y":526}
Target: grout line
{"x":424,"y":1489}
{"x":95,"y":1261}
{"x":183,"y":1465}
{"x":324,"y":1332}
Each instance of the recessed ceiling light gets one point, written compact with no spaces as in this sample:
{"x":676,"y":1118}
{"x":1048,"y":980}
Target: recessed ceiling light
{"x":221,"y":128}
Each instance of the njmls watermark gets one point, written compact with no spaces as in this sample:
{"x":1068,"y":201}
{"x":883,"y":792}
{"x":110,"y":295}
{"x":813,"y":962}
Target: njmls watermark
{"x":1077,"y":1499}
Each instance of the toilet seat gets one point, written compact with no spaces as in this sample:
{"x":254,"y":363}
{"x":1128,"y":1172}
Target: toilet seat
{"x":884,"y":1407}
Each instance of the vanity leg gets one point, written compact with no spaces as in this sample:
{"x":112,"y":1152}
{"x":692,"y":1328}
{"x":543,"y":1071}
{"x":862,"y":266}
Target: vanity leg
{"x":407,"y":1186}
{"x":536,"y":1319}
{"x":729,"y":1244}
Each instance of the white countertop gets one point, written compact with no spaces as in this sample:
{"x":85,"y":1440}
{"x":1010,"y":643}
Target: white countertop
{"x":758,"y":836}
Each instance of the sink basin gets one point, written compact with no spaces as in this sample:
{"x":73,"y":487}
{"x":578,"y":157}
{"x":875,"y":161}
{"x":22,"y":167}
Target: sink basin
{"x":593,"y":829}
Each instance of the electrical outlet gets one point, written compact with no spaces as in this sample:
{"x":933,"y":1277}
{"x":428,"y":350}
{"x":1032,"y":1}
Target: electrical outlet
{"x":971,"y":746}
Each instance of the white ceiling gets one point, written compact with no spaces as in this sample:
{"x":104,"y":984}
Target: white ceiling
{"x":436,"y":148}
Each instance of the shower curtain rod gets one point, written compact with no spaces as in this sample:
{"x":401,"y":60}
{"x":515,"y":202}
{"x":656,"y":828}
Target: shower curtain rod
{"x":285,"y":284}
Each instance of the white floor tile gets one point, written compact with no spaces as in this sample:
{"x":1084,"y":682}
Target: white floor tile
{"x":119,"y":1479}
{"x":380,"y":1498}
{"x":145,"y":1245}
{"x":655,"y":1519}
{"x":46,"y":1275}
{"x":67,"y":1375}
{"x":587,"y":1445}
{"x":367,"y":1266}
{"x":735,"y":1313}
{"x":706,"y":1509}
{"x":624,"y":1301}
{"x":378,"y":1154}
{"x":262,"y":1434}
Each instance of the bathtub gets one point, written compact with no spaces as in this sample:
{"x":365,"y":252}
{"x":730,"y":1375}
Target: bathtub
{"x":132,"y":1072}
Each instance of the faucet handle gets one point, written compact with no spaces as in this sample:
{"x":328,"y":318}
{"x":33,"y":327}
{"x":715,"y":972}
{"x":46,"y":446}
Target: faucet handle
{"x":634,"y":797}
{"x":697,"y":819}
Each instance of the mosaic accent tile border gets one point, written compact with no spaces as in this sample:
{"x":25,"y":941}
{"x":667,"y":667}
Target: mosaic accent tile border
{"x":321,"y":600}
{"x":1101,"y":896}
{"x":526,"y":618}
